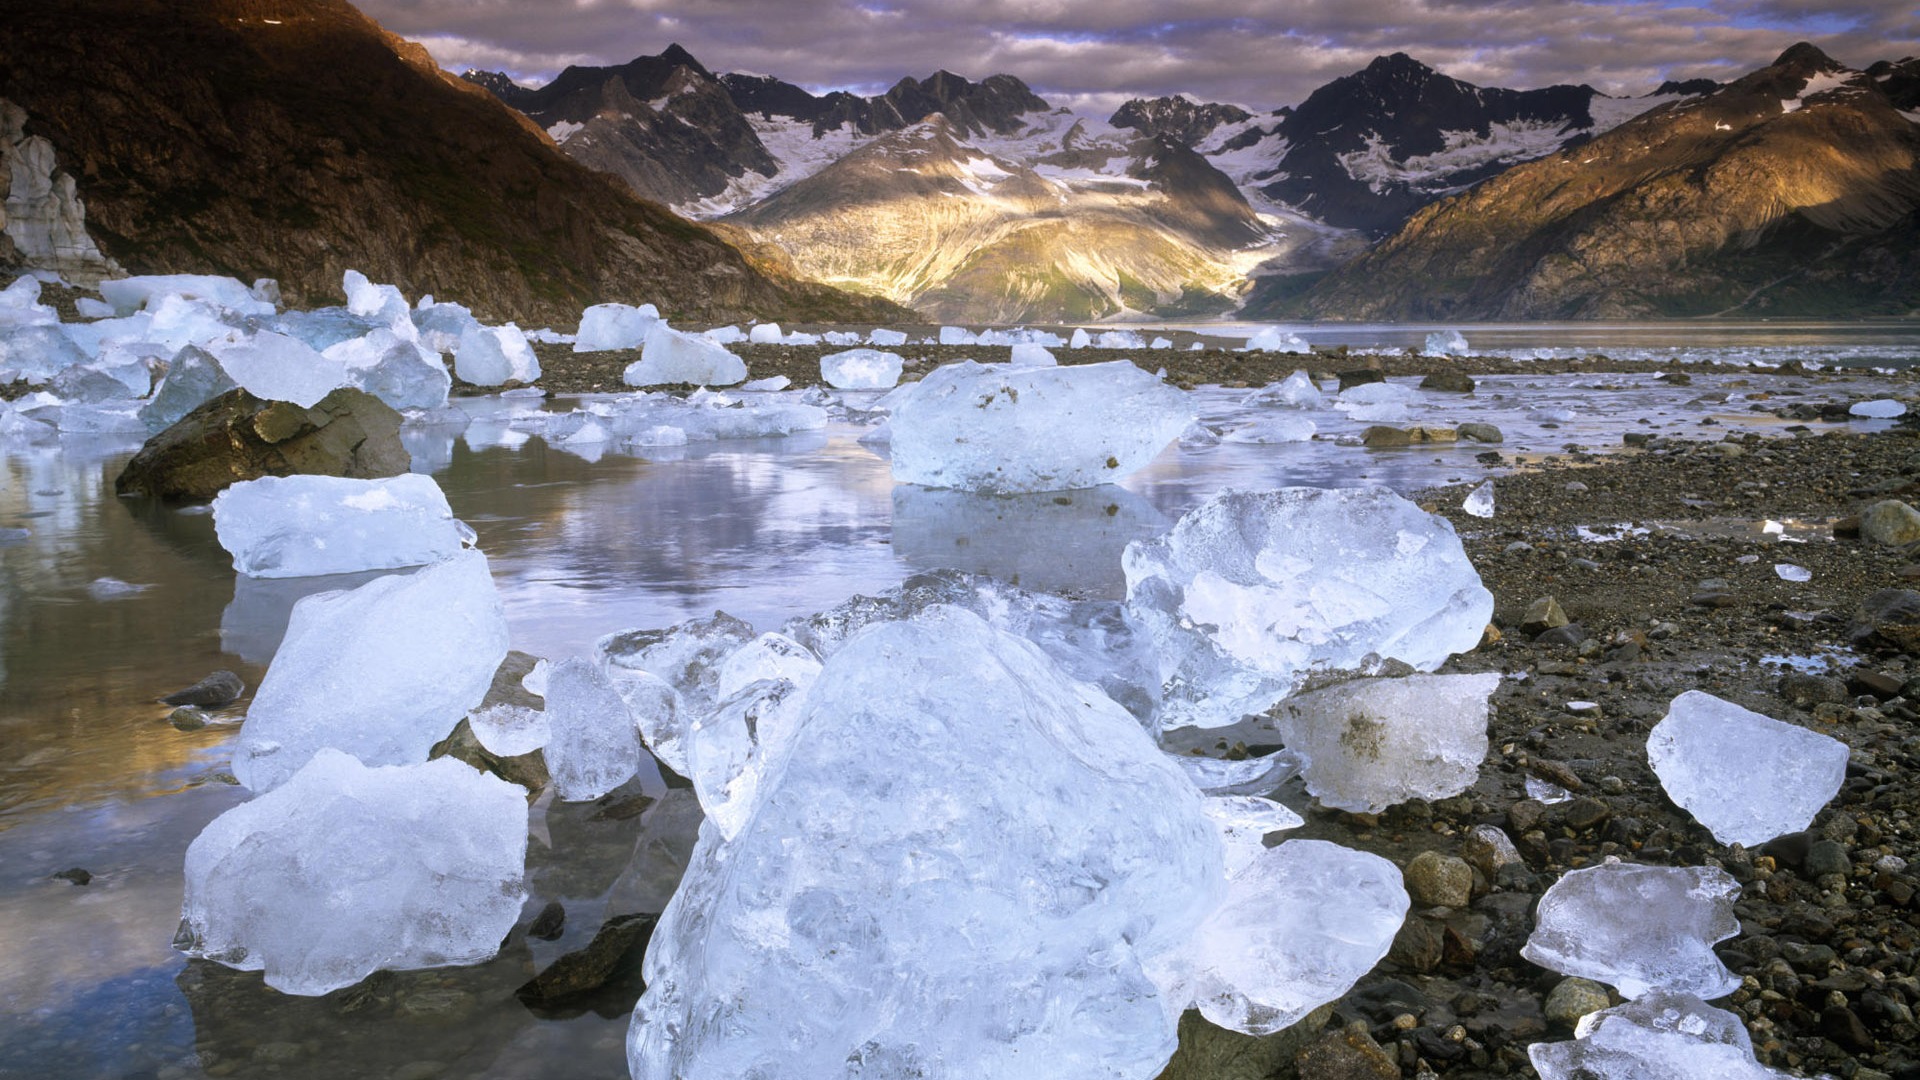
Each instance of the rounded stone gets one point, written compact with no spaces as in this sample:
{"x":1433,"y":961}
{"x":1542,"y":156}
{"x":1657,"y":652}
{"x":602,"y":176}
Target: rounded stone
{"x":1890,"y":522}
{"x":1488,"y":848}
{"x":1574,"y":998}
{"x":1436,"y":880}
{"x":1827,"y":857}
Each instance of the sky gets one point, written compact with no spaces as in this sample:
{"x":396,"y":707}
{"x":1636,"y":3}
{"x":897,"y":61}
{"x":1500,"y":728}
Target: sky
{"x":1097,"y":53}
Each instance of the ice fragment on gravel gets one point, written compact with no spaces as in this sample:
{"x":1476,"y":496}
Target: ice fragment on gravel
{"x":592,"y":745}
{"x":765,"y":334}
{"x":669,"y":356}
{"x":950,"y":877}
{"x":1790,"y":572}
{"x":1479,"y":502}
{"x":1748,"y":778}
{"x":861,"y":369}
{"x":1251,"y":591}
{"x":300,"y":526}
{"x":1273,"y":339}
{"x":1546,"y":793}
{"x":1030,"y":354}
{"x":275,"y":367}
{"x":509,"y":730}
{"x":1375,"y":743}
{"x":1445,"y":343}
{"x":1005,"y":429}
{"x":346,"y":870}
{"x":614,"y":326}
{"x":1877,"y":409}
{"x":1660,"y":1036}
{"x":886,"y":338}
{"x":491,"y":355}
{"x":1297,"y":391}
{"x":1639,"y":928}
{"x":383,"y":671}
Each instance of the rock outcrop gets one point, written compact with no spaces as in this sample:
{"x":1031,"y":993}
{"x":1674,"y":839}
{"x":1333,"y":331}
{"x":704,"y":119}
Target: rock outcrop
{"x":237,"y":436}
{"x":43,"y":223}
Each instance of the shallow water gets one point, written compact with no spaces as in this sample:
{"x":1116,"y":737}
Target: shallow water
{"x":92,"y":775}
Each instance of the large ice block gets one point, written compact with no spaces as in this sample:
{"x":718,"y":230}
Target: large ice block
{"x":369,"y":300}
{"x":735,"y":746}
{"x":275,"y":367}
{"x":300,"y":526}
{"x":861,"y":369}
{"x":36,"y":352}
{"x":383,"y":671}
{"x":131,"y":294}
{"x":1374,"y":743}
{"x":1748,"y":778}
{"x":669,"y":356}
{"x":1251,"y":591}
{"x":1004,"y":429}
{"x":394,"y":368}
{"x":1660,"y":1036}
{"x":614,"y":326}
{"x":1639,"y":928}
{"x":592,"y":743}
{"x":951,"y":876}
{"x":492,"y":355}
{"x":346,"y":870}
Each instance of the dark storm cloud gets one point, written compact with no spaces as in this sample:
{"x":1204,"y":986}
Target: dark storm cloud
{"x":1259,"y":53}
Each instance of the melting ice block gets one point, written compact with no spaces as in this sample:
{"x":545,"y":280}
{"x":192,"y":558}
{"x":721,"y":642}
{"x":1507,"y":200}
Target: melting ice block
{"x":192,"y":377}
{"x":732,"y":749}
{"x":130,"y":294}
{"x":346,"y":870}
{"x":36,"y":352}
{"x":368,"y":300}
{"x":491,"y":355}
{"x":1005,"y":429}
{"x":1374,"y":743}
{"x":950,"y":876}
{"x":1877,"y":409}
{"x":1661,"y":1036}
{"x":1244,"y":822}
{"x":671,"y":677}
{"x":886,"y":338}
{"x":1251,"y":591}
{"x":300,"y":526}
{"x":275,"y":367}
{"x":1031,"y":354}
{"x":1445,"y":343}
{"x":510,"y":730}
{"x":1274,"y":339}
{"x":669,"y":356}
{"x":383,"y":671}
{"x":397,"y":370}
{"x":1300,"y":924}
{"x":614,"y":326}
{"x":592,"y":745}
{"x":765,"y":334}
{"x":1639,"y":928}
{"x":1272,"y":429}
{"x":1378,"y":402}
{"x":861,"y":369}
{"x":1479,"y":502}
{"x":1748,"y":778}
{"x":1297,"y":391}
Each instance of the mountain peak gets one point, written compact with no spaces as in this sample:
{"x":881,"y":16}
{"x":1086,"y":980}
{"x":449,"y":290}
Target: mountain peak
{"x":1806,"y":55}
{"x":675,"y":54}
{"x":1397,"y":64}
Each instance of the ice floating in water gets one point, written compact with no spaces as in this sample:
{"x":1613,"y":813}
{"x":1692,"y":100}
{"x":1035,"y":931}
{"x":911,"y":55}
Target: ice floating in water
{"x":1274,"y":339}
{"x":1007,"y":429}
{"x":1301,"y":923}
{"x":1639,"y":928}
{"x":1877,"y":409}
{"x":669,"y":356}
{"x":509,"y":730}
{"x":347,"y":870}
{"x":670,"y":677}
{"x":592,"y":743}
{"x":1445,"y":343}
{"x":1748,"y":778}
{"x":1479,"y":502}
{"x":1272,"y":429}
{"x":112,"y":588}
{"x":1252,"y":590}
{"x":1660,"y":1036}
{"x":861,"y":369}
{"x":1036,"y":889}
{"x":300,"y":526}
{"x":275,"y":367}
{"x":1374,"y":743}
{"x":1297,"y":391}
{"x":382,"y":672}
{"x":1790,"y":572}
{"x":614,"y":326}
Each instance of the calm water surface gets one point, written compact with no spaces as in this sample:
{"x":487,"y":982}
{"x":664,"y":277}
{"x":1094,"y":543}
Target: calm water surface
{"x":93,"y":776}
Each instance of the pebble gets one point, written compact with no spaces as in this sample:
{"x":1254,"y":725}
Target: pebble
{"x":1487,"y":849}
{"x":1573,"y":998}
{"x":1827,"y":857}
{"x":1436,"y":880}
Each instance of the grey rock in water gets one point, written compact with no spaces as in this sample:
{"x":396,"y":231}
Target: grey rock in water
{"x":237,"y":436}
{"x":217,"y":689}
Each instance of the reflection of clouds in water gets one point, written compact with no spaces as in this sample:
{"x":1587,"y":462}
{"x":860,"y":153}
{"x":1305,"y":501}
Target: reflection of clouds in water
{"x":255,"y":620}
{"x":1066,"y":541}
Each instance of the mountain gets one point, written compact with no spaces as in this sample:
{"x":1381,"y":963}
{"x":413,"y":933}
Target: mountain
{"x":1179,"y":117}
{"x":1794,"y":190}
{"x":296,"y":139}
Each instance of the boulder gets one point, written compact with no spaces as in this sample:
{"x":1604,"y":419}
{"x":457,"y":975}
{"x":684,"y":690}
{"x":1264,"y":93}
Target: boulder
{"x":237,"y":436}
{"x":1890,"y":522}
{"x":1451,"y":382}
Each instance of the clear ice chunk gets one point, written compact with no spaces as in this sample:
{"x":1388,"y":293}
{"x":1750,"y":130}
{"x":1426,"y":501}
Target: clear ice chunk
{"x":1003,"y":429}
{"x":193,"y":377}
{"x":383,"y":671}
{"x":1479,"y":502}
{"x":1659,"y":1036}
{"x":735,"y":746}
{"x":593,"y":745}
{"x":275,"y":367}
{"x":1274,"y":339}
{"x":669,"y":356}
{"x":492,"y":355}
{"x":509,"y":730}
{"x":1877,"y":409}
{"x":1244,"y":822}
{"x":861,"y":369}
{"x":346,"y":870}
{"x":1639,"y":928}
{"x":949,"y":877}
{"x":1374,"y":743}
{"x":37,"y":352}
{"x":1748,"y":778}
{"x":769,"y":656}
{"x":671,"y":677}
{"x":301,"y":526}
{"x":381,"y":303}
{"x":394,"y":369}
{"x":614,"y":326}
{"x":885,"y":338}
{"x":1251,"y":591}
{"x":1244,"y":776}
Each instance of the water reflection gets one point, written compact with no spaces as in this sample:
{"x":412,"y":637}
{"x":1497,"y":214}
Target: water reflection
{"x":1068,"y":542}
{"x":255,"y":620}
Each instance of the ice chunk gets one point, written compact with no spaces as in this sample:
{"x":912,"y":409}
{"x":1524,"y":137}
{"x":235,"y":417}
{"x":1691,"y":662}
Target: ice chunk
{"x":1445,"y":343}
{"x":275,"y":367}
{"x":1274,"y":339}
{"x":381,"y":303}
{"x":744,"y":739}
{"x":1791,"y":572}
{"x":771,"y":385}
{"x":382,"y":672}
{"x":1549,"y":794}
{"x":440,"y":326}
{"x":131,"y":294}
{"x":399,"y":372}
{"x":36,"y":353}
{"x":949,"y":877}
{"x":614,"y":326}
{"x":491,"y":355}
{"x":1748,"y":778}
{"x":193,"y":376}
{"x":299,"y":526}
{"x":765,"y":334}
{"x":1660,"y":1036}
{"x":592,"y":745}
{"x":1300,"y":924}
{"x":669,"y":356}
{"x":670,"y":677}
{"x":20,"y":304}
{"x":509,"y":730}
{"x":861,"y":369}
{"x":1252,"y":590}
{"x":1028,"y":354}
{"x":178,"y":322}
{"x":769,"y":656}
{"x":1245,"y":776}
{"x":1119,"y":339}
{"x":1375,"y":743}
{"x":346,"y":870}
{"x":1080,"y":339}
{"x":1378,"y":402}
{"x":1006,"y":429}
{"x":1877,"y":409}
{"x":86,"y":384}
{"x":1639,"y":928}
{"x":1244,"y":822}
{"x":886,"y":339}
{"x":957,"y":335}
{"x":1272,"y":429}
{"x":1297,"y":390}
{"x":1479,"y":502}
{"x":725,"y":335}
{"x":1160,"y":343}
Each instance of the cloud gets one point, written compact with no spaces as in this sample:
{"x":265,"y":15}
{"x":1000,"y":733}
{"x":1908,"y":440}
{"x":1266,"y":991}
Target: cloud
{"x":1258,"y":53}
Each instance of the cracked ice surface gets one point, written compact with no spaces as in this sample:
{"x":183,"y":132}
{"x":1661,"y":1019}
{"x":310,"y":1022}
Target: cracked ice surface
{"x":1004,"y":429}
{"x":383,"y":671}
{"x":1251,"y":591}
{"x":299,"y":526}
{"x":1639,"y":928}
{"x":345,"y":870}
{"x":1660,"y":1036}
{"x":1708,"y":752}
{"x":951,"y":876}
